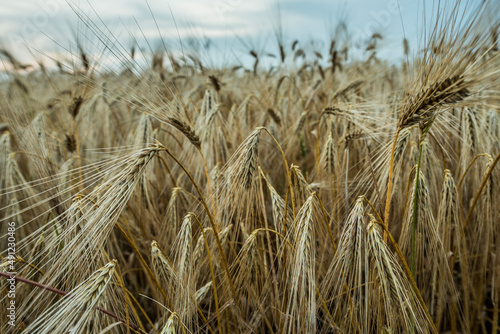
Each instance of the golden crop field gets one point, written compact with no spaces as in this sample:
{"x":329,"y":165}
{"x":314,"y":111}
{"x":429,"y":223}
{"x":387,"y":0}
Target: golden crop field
{"x":325,"y":193}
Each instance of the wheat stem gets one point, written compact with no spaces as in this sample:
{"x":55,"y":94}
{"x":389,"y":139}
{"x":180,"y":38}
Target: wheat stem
{"x":483,"y":184}
{"x":143,"y":262}
{"x":469,"y":167}
{"x":415,"y":210}
{"x":286,"y":168}
{"x":389,"y":185}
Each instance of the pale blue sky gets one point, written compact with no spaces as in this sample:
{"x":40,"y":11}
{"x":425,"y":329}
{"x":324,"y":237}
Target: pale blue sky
{"x":233,"y":26}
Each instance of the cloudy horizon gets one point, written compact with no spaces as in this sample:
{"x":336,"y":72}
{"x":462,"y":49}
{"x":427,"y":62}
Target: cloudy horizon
{"x":233,"y":27}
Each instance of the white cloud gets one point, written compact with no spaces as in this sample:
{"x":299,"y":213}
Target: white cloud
{"x":254,"y":21}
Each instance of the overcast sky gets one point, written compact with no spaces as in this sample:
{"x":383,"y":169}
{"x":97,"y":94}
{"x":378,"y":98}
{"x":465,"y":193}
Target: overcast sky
{"x":233,"y":26}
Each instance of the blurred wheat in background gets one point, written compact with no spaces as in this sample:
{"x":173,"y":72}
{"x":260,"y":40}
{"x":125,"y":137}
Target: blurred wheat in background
{"x":174,"y":196}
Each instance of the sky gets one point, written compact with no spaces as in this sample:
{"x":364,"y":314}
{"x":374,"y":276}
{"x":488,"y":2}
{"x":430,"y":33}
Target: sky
{"x":40,"y":29}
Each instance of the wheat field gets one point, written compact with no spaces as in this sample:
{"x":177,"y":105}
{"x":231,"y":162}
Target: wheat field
{"x":322,"y":194}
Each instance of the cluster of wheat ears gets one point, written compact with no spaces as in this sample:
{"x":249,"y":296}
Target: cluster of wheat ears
{"x":322,"y":194}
